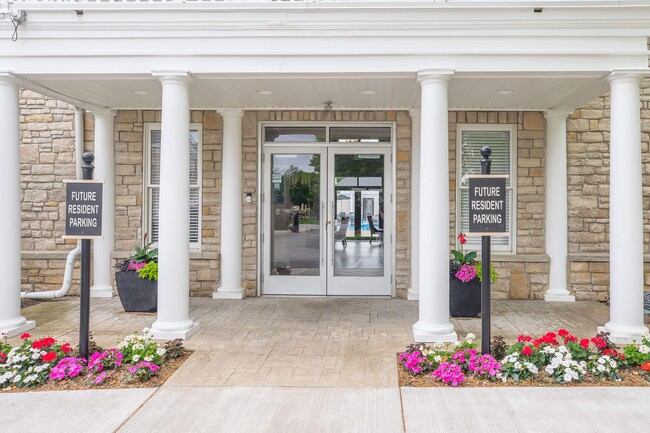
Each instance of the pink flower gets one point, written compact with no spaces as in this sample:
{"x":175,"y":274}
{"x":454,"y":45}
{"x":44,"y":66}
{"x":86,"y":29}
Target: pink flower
{"x":466,"y":273}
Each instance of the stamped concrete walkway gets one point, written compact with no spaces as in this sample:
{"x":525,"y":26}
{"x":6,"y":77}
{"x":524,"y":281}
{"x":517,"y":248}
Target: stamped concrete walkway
{"x":318,"y":365}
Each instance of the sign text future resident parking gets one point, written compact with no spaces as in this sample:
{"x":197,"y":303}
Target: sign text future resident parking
{"x":487,"y":205}
{"x":83,"y":209}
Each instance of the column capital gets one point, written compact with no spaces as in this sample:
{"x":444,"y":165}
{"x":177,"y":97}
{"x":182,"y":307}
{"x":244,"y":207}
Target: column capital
{"x":622,"y":75}
{"x":103,"y":113}
{"x":433,"y":75}
{"x":231,"y":112}
{"x":564,"y":114}
{"x":170,"y":76}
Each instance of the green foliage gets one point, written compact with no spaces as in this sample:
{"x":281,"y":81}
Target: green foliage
{"x":479,"y":272}
{"x":464,"y":258}
{"x":638,"y":354}
{"x":145,"y":254}
{"x":149,"y":271}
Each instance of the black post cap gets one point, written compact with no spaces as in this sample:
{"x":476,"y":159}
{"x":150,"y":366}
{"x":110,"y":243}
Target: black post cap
{"x":88,"y":158}
{"x":486,"y":151}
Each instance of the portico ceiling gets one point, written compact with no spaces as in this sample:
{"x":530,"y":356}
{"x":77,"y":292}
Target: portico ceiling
{"x":400,"y":91}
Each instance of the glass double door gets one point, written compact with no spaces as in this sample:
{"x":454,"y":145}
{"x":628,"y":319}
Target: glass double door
{"x":327,"y":221}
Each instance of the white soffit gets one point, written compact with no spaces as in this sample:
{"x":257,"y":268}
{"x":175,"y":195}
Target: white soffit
{"x":465,"y":92}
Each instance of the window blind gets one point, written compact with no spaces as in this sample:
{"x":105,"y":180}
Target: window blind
{"x":154,"y":186}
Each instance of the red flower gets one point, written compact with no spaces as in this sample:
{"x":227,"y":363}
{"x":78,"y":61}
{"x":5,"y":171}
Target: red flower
{"x":49,"y":356}
{"x":525,"y":338}
{"x":66,"y":348}
{"x":537,"y":343}
{"x":526,"y":351}
{"x":37,"y":344}
{"x":563,"y":333}
{"x":584,"y":343}
{"x":462,"y":239}
{"x":570,"y":338}
{"x":25,"y":335}
{"x":646,"y":366}
{"x":3,"y":357}
{"x":599,"y":342}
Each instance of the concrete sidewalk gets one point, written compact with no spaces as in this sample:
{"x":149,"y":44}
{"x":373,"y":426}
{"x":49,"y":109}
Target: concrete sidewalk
{"x":329,"y":410}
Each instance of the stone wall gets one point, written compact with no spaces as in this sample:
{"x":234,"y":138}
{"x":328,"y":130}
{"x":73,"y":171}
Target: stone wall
{"x":523,"y":275}
{"x":47,"y":156}
{"x":588,"y":178}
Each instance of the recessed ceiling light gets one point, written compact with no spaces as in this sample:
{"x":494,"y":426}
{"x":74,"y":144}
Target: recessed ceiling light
{"x":506,"y":92}
{"x":139,"y":92}
{"x":264,"y":92}
{"x":368,"y":92}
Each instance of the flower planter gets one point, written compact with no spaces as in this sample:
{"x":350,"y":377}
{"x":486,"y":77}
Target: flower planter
{"x":136,"y":294}
{"x":464,"y":298}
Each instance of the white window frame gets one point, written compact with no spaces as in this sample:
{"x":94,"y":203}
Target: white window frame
{"x":146,"y":190}
{"x":511,"y":247}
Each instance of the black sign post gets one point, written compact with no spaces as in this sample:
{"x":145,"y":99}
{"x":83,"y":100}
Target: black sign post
{"x":487,"y":217}
{"x":84,"y":221}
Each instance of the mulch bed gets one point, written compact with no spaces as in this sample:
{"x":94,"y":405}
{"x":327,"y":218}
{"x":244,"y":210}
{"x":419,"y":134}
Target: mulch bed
{"x":114,"y":381}
{"x":631,"y":377}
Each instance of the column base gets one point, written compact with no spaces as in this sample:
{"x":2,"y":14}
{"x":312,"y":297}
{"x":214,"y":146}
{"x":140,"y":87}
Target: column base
{"x":15,"y":330}
{"x":434,"y":334}
{"x":221,"y":293}
{"x":559,"y":297}
{"x":101,"y":291}
{"x":173,"y":330}
{"x":413,"y":294}
{"x":623,"y":334}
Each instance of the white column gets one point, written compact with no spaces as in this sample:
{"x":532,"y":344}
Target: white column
{"x":433,"y":323}
{"x":104,"y":170}
{"x":556,"y":206}
{"x":414,"y":290}
{"x":231,"y":207}
{"x":174,"y":224}
{"x":11,"y":322}
{"x":625,"y":210}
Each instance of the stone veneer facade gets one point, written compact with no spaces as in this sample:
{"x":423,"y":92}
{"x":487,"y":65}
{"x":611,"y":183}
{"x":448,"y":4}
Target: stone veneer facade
{"x":47,"y":157}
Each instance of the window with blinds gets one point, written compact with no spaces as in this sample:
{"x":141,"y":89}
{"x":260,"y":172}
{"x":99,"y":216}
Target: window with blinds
{"x":153,"y":183}
{"x":501,"y":139}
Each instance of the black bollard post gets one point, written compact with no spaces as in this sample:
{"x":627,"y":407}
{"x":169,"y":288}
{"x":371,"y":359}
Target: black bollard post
{"x":485,"y":274}
{"x":84,"y":319}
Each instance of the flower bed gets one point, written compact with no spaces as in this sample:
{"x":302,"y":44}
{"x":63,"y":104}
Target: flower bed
{"x":552,"y":359}
{"x":46,"y":364}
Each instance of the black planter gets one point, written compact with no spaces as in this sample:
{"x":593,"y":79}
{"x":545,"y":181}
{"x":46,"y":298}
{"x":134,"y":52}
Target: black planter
{"x":136,"y":294}
{"x":464,"y":298}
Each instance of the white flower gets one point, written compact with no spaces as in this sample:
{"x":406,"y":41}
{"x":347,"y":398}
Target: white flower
{"x":517,"y":365}
{"x":470,"y":337}
{"x":438,"y":345}
{"x":457,"y":343}
{"x":549,"y":369}
{"x":136,"y":358}
{"x":160,"y":351}
{"x":146,"y":330}
{"x":562,"y":349}
{"x":437,"y":358}
{"x":148,"y":358}
{"x":644,"y":349}
{"x":600,"y":368}
{"x":138,"y":346}
{"x":612,"y":363}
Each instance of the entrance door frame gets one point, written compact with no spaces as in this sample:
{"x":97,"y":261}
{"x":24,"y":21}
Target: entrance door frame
{"x":305,"y":147}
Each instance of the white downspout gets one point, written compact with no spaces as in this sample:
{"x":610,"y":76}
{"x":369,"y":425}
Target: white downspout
{"x":72,"y":255}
